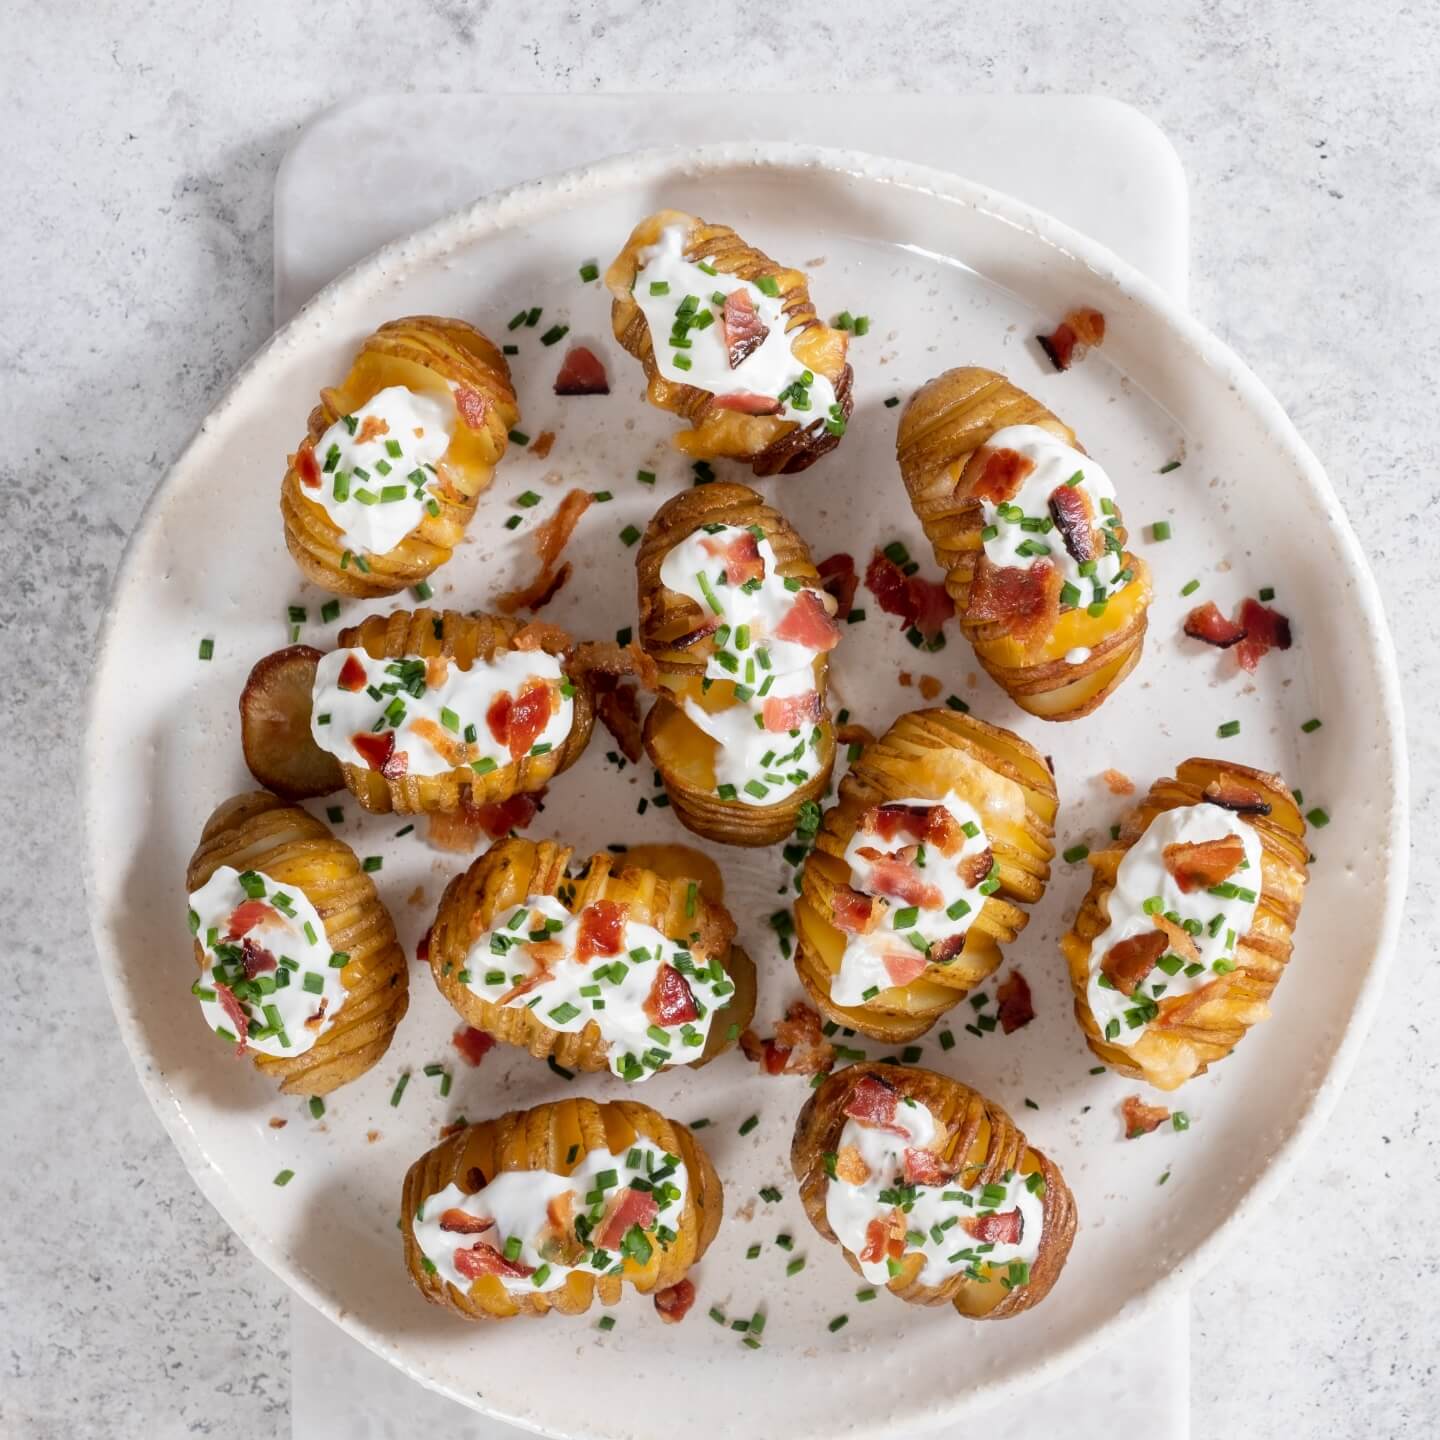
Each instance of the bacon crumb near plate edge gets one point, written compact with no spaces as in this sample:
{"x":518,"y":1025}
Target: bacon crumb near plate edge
{"x":1205,"y":622}
{"x":1140,"y":1118}
{"x":673,"y":1303}
{"x":474,"y":1045}
{"x":582,"y":372}
{"x":1117,"y":782}
{"x":1016,"y":1005}
{"x":1073,"y":336}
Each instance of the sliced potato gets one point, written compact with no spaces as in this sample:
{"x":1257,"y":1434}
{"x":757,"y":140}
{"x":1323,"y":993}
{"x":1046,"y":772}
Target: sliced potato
{"x":280,"y":751}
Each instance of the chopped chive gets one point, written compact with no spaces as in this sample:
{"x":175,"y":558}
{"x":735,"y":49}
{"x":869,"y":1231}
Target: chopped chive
{"x":605,"y":1322}
{"x":207,"y":649}
{"x":1229,"y":728}
{"x":1267,"y":593}
{"x":1317,"y":817}
{"x":746,"y":1126}
{"x":1076,"y":853}
{"x":838,"y":1323}
{"x":1190,"y":587}
{"x":317,"y":1106}
{"x":589,"y":271}
{"x":645,"y":477}
{"x":371,"y":863}
{"x":1310,"y":726}
{"x":284,"y":1177}
{"x":629,"y":535}
{"x":554,"y":333}
{"x":527,"y":498}
{"x":399,"y":1090}
{"x":1160,"y":530}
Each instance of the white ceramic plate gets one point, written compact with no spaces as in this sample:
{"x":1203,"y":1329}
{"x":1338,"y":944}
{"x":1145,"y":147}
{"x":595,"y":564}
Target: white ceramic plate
{"x":949,"y":274}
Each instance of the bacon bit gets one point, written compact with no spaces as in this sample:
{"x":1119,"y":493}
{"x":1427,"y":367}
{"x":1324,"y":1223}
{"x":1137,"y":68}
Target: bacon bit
{"x":1197,"y":865}
{"x":898,"y":878}
{"x":372,"y":428}
{"x":396,"y":767}
{"x":1177,"y":938}
{"x":544,"y":954}
{"x":752,"y":1046}
{"x":942,"y":952}
{"x":872,"y":1102}
{"x":373,"y":1135}
{"x":743,"y":328}
{"x":483,"y":1259}
{"x":1025,"y":604}
{"x":839,"y":580}
{"x":1265,"y":630}
{"x":672,"y":1304}
{"x":474,"y":1045}
{"x":1017,"y":1008}
{"x":1127,"y":963}
{"x":906,"y":679}
{"x":1205,"y":622}
{"x":462,"y":830}
{"x":257,"y":959}
{"x":1075,"y":522}
{"x":924,"y":1167}
{"x":497,"y":718}
{"x":551,"y":538}
{"x":582,"y":372}
{"x":975,"y":869}
{"x":671,"y":1001}
{"x":543,"y":444}
{"x":277,"y":1123}
{"x":1005,"y":1228}
{"x":809,"y":623}
{"x":694,"y":637}
{"x":903,"y":966}
{"x":315,"y":1021}
{"x":529,"y":716}
{"x":852,"y":734}
{"x":352,"y":674}
{"x":930,"y":687}
{"x":602,"y":930}
{"x":450,"y":748}
{"x":538,"y":593}
{"x":932,"y":824}
{"x":1001,"y":475}
{"x":471,"y":406}
{"x":1230,"y":794}
{"x":1140,"y":1118}
{"x":800,"y":1038}
{"x":850,"y":1166}
{"x":422,"y":948}
{"x":790,"y":712}
{"x":1073,"y":336}
{"x":884,"y":1239}
{"x":375,"y":750}
{"x":851,"y":911}
{"x":246,"y":916}
{"x":629,"y":1207}
{"x":923,"y":604}
{"x":437,"y":670}
{"x":747,"y":403}
{"x":619,"y":709}
{"x":541,"y":635}
{"x":307,"y":467}
{"x":460,"y":1222}
{"x":742,"y":557}
{"x":1117,"y":782}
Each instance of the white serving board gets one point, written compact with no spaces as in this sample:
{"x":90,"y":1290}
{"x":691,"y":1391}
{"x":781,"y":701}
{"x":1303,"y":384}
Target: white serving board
{"x":368,"y":172}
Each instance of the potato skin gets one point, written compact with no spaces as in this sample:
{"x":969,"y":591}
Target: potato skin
{"x":425,"y":352}
{"x":771,"y":446}
{"x":515,"y":869}
{"x":463,"y":638}
{"x":666,"y":617}
{"x":1168,"y":1055}
{"x":280,"y":752}
{"x":990,"y":1142}
{"x":946,"y":422}
{"x":540,"y":1139}
{"x":258,"y":831}
{"x":925,"y":753}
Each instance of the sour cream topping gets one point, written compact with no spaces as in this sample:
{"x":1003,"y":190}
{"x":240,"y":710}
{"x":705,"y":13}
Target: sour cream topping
{"x":377,"y":467}
{"x":925,"y":898}
{"x":436,"y":715}
{"x":684,"y":303}
{"x":938,"y":1220}
{"x":766,"y":741}
{"x":271,"y":978}
{"x":1216,"y":918}
{"x":544,"y":1226}
{"x":1022,"y":531}
{"x":652,"y":999}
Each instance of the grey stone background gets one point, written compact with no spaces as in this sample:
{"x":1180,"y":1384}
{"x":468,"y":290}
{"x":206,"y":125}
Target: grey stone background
{"x":138,"y":147}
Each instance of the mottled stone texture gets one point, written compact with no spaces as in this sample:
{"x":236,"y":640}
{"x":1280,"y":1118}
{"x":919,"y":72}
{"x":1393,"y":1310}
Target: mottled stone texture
{"x":139,"y":146}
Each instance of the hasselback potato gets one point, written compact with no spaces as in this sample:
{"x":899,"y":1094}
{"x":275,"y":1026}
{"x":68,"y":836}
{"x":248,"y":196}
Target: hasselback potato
{"x":1027,"y":529}
{"x":1188,"y":923}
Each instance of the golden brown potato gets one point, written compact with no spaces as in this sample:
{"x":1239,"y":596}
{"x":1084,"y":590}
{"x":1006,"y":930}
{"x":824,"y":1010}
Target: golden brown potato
{"x":1189,"y":1031}
{"x":257,"y":832}
{"x":923,"y":756}
{"x":447,"y":360}
{"x":673,"y":633}
{"x":1022,"y":637}
{"x":975,"y":1145}
{"x":770,"y":444}
{"x":668,"y":891}
{"x":275,"y":707}
{"x":561,"y":1138}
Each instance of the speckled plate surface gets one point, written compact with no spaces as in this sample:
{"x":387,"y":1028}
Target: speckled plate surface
{"x":949,"y":273}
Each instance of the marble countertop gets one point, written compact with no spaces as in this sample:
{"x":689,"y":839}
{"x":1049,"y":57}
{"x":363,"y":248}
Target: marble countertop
{"x":141,"y":145}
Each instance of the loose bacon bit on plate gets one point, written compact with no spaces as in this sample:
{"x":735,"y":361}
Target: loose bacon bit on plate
{"x":897,"y":877}
{"x":239,"y":1020}
{"x":629,"y":1207}
{"x":256,"y":958}
{"x":809,"y":623}
{"x":802,"y":1038}
{"x":1024,"y":604}
{"x":789,"y":712}
{"x":543,"y":444}
{"x":1073,"y":336}
{"x":1127,"y":963}
{"x":602,"y":930}
{"x":851,"y":911}
{"x":746,"y":403}
{"x":1017,"y":1008}
{"x":903,"y":966}
{"x":1006,"y":1228}
{"x":741,"y":554}
{"x":246,"y":916}
{"x":975,"y":869}
{"x":538,"y":593}
{"x":422,"y":947}
{"x":930,"y":687}
{"x":376,"y":751}
{"x":1140,"y":1118}
{"x":471,"y":406}
{"x":352,"y":674}
{"x":884,"y":1239}
{"x":743,"y":328}
{"x":276,"y":1122}
{"x":872,"y":1102}
{"x":850,"y":1166}
{"x":1075,"y":522}
{"x":671,"y":1001}
{"x":462,"y":830}
{"x":582,"y":372}
{"x":1117,"y":782}
{"x":918,"y":602}
{"x":618,"y":707}
{"x":461,"y":1222}
{"x":1205,"y":622}
{"x":307,"y":467}
{"x":673,"y":1303}
{"x":551,"y":538}
{"x":1002,"y":474}
{"x":1232,"y":795}
{"x":1265,"y":630}
{"x":474,"y":1045}
{"x":839,"y":580}
{"x":1196,"y":865}
{"x":924,"y":1167}
{"x":482,"y":1259}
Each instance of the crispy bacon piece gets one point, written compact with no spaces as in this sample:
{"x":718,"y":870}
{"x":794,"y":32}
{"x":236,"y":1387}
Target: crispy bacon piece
{"x":1205,"y":622}
{"x":671,"y":1001}
{"x":461,"y":1222}
{"x":1001,"y":475}
{"x":918,"y":602}
{"x":315,"y":1021}
{"x":809,"y":623}
{"x":801,"y":1039}
{"x":474,"y":1045}
{"x":851,"y":911}
{"x":239,"y":1020}
{"x":1126,"y":964}
{"x":741,"y":554}
{"x":602,"y":930}
{"x":884,"y":1238}
{"x":543,"y":954}
{"x":1117,"y":782}
{"x":1140,"y":1118}
{"x":307,"y":467}
{"x":618,"y":707}
{"x":437,"y":670}
{"x":943,"y":952}
{"x":934,"y":825}
{"x":898,"y":878}
{"x":1177,"y":939}
{"x":396,"y":766}
{"x":695,"y":636}
{"x":352,"y":674}
{"x":246,"y":916}
{"x":747,"y":403}
{"x":790,"y":712}
{"x":903,"y":966}
{"x":1230,"y":794}
{"x":484,"y":1259}
{"x":1199,"y":864}
{"x":872,"y":1102}
{"x":744,"y":330}
{"x":975,"y":869}
{"x":672,"y":1304}
{"x":1075,"y":523}
{"x":256,"y":958}
{"x":627,"y":1208}
{"x":462,"y":830}
{"x":450,"y":748}
{"x":925,"y":1167}
{"x":1024,"y":604}
{"x":850,"y":1166}
{"x":1073,"y":336}
{"x":372,"y":428}
{"x":582,"y":372}
{"x":538,"y":593}
{"x":838,"y":579}
{"x":377,"y":751}
{"x":1017,"y":1008}
{"x":1265,"y":630}
{"x":543,"y":444}
{"x":1005,"y":1228}
{"x":471,"y":406}
{"x":551,"y":538}
{"x":518,"y":723}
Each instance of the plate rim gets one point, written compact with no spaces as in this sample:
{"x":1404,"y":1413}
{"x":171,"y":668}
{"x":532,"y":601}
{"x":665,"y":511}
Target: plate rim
{"x":539,"y":198}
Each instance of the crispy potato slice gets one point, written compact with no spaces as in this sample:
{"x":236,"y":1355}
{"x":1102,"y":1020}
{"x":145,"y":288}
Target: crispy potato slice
{"x":275,"y":734}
